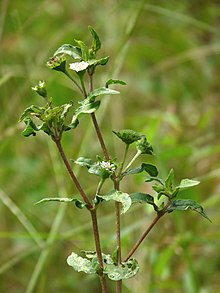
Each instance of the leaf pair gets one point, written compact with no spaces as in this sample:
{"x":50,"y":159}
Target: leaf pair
{"x":90,"y":265}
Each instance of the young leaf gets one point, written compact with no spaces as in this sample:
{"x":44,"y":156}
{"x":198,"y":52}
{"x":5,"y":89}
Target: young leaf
{"x":80,"y":264}
{"x":96,"y":62}
{"x":185,"y":204}
{"x":84,"y":50}
{"x":96,"y":43}
{"x":114,"y":81}
{"x":185,"y":183}
{"x":78,"y":203}
{"x":30,"y":128}
{"x":101,"y":91}
{"x":73,"y":51}
{"x":169,"y":182}
{"x":118,"y":196}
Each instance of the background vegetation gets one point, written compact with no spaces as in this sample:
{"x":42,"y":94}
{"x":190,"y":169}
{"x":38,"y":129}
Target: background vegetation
{"x":168,"y":53}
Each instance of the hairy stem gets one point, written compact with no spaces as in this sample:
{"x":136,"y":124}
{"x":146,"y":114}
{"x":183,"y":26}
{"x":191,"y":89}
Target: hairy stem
{"x":71,"y":173}
{"x":98,"y":250}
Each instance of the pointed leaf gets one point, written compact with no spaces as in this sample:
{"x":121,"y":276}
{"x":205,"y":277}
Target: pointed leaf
{"x":142,"y":198}
{"x":101,"y":91}
{"x":78,"y":203}
{"x":73,"y":51}
{"x":30,"y":128}
{"x":80,"y":264}
{"x":169,"y":182}
{"x":185,"y":204}
{"x":85,"y":162}
{"x":185,"y":183}
{"x":96,"y":43}
{"x":119,"y":196}
{"x":114,"y":81}
{"x":84,"y":50}
{"x":86,"y":108}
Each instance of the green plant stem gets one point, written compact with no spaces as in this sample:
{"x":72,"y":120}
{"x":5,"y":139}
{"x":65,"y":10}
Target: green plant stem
{"x":83,"y":86}
{"x":98,"y":249}
{"x":132,"y":161}
{"x":71,"y":173}
{"x":123,"y":161}
{"x":75,"y":82}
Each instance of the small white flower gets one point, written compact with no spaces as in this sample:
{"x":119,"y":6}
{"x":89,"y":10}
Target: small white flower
{"x":107,"y":166}
{"x":79,"y":66}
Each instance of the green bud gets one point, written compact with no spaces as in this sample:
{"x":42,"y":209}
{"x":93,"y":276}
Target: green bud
{"x":144,"y":146}
{"x":128,"y":136}
{"x":57,"y":63}
{"x":41,"y":89}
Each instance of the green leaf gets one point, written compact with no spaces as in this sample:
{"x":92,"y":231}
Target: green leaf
{"x":86,"y":108}
{"x":73,"y":51}
{"x":84,"y":50}
{"x":85,"y":162}
{"x":32,"y":110}
{"x":127,"y":270}
{"x":78,"y":203}
{"x":96,"y":62}
{"x":143,"y":198}
{"x":128,"y":136}
{"x":149,"y":168}
{"x":185,"y":204}
{"x":169,"y":182}
{"x":96,"y":43}
{"x":115,"y":81}
{"x":118,"y":196}
{"x":101,"y":91}
{"x":30,"y":128}
{"x":185,"y":183}
{"x":80,"y":264}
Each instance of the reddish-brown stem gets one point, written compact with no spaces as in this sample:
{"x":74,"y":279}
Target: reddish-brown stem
{"x":72,"y":175}
{"x":92,"y":212}
{"x":99,"y":134}
{"x":98,"y":250}
{"x":146,"y":232}
{"x":118,"y":236}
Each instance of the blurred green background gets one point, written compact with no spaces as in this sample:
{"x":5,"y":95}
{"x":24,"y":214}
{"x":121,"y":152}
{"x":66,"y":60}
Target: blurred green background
{"x":168,"y":53}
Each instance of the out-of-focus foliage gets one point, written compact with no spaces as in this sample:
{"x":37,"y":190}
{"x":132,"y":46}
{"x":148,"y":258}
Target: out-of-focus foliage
{"x":168,"y":54}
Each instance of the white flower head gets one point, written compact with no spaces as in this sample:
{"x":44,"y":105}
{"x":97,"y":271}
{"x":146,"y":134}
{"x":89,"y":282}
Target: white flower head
{"x":79,"y":66}
{"x":108,"y":166}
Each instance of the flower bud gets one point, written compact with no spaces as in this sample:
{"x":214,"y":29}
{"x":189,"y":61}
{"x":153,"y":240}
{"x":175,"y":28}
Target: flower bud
{"x":41,"y":89}
{"x":128,"y":136}
{"x":57,"y":63}
{"x":144,"y":146}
